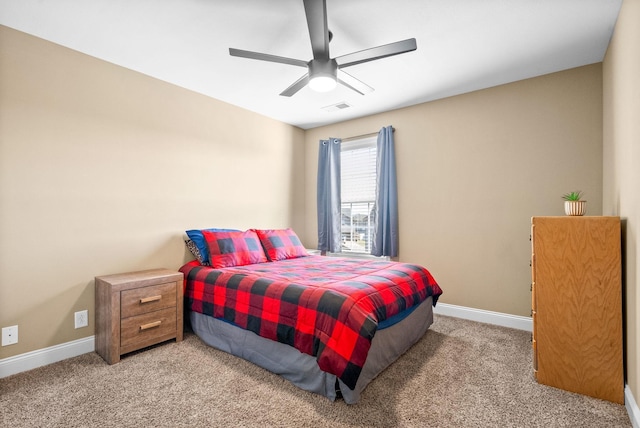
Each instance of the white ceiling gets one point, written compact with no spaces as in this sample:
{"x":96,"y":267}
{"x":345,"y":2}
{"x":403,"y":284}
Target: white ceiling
{"x":463,"y":45}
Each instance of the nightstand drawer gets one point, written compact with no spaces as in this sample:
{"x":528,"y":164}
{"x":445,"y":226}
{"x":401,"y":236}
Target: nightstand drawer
{"x":144,"y":330}
{"x":147,"y":299}
{"x":137,"y":309}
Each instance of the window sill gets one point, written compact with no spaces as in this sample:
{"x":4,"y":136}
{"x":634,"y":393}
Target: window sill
{"x":350,"y":255}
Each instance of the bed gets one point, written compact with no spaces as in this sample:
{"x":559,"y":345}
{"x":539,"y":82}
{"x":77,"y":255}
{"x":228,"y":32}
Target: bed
{"x":329,"y":325}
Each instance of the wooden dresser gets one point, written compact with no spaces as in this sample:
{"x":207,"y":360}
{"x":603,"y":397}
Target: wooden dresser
{"x":137,"y":309}
{"x":577,"y":305}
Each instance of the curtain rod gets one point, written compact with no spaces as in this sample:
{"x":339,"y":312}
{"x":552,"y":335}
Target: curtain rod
{"x":357,"y":137}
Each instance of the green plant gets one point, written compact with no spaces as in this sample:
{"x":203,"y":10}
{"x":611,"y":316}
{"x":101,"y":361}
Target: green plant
{"x":573,"y":196}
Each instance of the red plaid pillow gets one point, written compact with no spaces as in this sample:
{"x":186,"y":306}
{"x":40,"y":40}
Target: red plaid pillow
{"x":281,"y":244}
{"x":227,"y":249}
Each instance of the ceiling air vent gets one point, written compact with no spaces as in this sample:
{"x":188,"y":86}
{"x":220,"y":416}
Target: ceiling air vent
{"x":335,"y":107}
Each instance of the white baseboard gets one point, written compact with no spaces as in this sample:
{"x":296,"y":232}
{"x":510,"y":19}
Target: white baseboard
{"x":632,"y":407}
{"x":52,"y":354}
{"x":43,"y":357}
{"x":497,"y":318}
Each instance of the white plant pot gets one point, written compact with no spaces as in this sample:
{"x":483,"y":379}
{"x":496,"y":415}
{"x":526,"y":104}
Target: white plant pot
{"x":575,"y":207}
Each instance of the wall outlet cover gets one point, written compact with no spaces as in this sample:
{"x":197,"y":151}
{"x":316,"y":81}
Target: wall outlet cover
{"x":81,"y":319}
{"x":9,"y":335}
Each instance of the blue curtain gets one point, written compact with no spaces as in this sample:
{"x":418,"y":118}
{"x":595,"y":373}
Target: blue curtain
{"x":329,"y":195}
{"x":385,"y":231}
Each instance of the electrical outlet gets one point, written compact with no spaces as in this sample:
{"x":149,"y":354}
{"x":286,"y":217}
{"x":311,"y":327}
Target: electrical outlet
{"x":81,"y":319}
{"x":9,"y":335}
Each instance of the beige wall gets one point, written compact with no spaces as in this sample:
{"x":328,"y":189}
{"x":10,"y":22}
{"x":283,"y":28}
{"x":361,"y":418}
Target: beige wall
{"x":474,"y":168}
{"x":101,"y":171}
{"x":621,"y":179}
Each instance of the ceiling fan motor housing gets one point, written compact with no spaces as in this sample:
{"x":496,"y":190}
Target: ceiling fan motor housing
{"x":323,"y":68}
{"x":323,"y":74}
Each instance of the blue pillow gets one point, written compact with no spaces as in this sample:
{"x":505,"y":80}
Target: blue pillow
{"x":198,"y":239}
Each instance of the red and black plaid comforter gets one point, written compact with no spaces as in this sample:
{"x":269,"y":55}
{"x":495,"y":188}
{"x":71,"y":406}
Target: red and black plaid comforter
{"x":326,"y":307}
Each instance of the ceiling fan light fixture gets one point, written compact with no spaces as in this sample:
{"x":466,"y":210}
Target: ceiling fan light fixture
{"x":323,"y":74}
{"x":322,"y":83}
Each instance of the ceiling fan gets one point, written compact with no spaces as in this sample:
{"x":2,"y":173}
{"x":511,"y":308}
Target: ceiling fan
{"x":325,"y":72}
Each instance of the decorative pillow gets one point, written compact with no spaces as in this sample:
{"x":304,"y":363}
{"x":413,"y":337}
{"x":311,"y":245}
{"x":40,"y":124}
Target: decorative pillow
{"x":228,"y":249}
{"x":281,"y":244}
{"x":198,"y":239}
{"x":196,"y":252}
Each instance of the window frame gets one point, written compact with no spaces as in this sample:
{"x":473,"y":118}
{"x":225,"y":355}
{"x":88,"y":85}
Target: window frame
{"x":350,"y":245}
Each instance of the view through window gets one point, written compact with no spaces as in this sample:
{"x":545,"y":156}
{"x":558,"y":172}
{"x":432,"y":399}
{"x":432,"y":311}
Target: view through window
{"x":358,"y":189}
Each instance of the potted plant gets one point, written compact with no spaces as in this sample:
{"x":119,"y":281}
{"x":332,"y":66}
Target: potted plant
{"x":573,"y":203}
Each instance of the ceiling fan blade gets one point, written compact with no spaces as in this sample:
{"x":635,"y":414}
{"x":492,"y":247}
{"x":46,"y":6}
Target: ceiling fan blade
{"x":378,"y":52}
{"x":316,"y":11}
{"x":352,"y":83}
{"x":296,"y":86}
{"x":266,"y":57}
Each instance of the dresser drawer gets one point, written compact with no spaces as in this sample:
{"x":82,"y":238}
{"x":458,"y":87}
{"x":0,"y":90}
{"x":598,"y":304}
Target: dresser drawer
{"x":147,"y":299}
{"x":147,"y":329}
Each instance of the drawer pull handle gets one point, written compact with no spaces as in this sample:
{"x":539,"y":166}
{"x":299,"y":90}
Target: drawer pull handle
{"x":150,"y":299}
{"x":150,"y":325}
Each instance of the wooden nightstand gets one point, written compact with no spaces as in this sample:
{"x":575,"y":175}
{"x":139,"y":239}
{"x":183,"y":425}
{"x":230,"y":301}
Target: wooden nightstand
{"x":137,"y":309}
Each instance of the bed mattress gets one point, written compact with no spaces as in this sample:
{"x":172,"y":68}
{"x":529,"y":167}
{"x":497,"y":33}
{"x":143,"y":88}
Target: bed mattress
{"x":302,"y":369}
{"x":326,"y":307}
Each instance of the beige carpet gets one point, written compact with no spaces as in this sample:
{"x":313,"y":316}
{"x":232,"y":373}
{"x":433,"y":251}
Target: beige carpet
{"x":461,"y":374}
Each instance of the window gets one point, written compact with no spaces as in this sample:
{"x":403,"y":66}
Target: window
{"x":358,"y":191}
